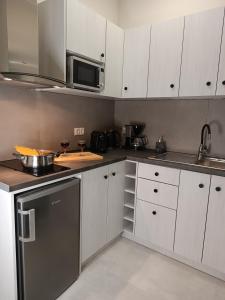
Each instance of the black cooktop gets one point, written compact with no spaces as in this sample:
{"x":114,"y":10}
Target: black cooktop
{"x":16,"y":165}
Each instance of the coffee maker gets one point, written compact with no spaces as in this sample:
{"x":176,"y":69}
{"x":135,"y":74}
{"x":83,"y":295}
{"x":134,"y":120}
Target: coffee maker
{"x":134,"y":139}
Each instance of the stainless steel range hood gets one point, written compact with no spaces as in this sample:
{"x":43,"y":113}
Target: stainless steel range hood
{"x":19,"y":45}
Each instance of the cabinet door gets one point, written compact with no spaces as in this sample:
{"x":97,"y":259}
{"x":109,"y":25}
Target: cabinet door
{"x":191,"y":214}
{"x":155,"y":224}
{"x":115,"y":199}
{"x":135,"y":66}
{"x":221,"y":75}
{"x":94,"y":211}
{"x":214,"y":253}
{"x":114,"y":60}
{"x":85,"y":31}
{"x":201,"y":49}
{"x":165,"y":58}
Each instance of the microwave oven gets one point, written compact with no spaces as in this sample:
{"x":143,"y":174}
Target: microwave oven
{"x":85,"y":74}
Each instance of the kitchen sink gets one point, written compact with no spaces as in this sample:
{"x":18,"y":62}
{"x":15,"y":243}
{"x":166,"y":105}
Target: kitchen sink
{"x":212,"y":162}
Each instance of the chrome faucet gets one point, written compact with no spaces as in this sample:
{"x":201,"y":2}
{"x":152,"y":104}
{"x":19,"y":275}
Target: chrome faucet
{"x":203,"y":148}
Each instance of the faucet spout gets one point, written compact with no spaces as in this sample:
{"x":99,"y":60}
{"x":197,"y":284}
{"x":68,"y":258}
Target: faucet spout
{"x":203,"y":149}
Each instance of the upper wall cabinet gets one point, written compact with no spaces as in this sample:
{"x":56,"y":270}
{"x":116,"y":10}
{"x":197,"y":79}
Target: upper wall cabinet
{"x":114,"y":60}
{"x":221,"y":76}
{"x":135,"y":66}
{"x":165,"y":58}
{"x":201,"y":50}
{"x":85,"y":31}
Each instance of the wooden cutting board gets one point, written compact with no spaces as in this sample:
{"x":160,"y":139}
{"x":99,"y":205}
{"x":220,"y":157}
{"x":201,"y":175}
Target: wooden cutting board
{"x":78,"y":156}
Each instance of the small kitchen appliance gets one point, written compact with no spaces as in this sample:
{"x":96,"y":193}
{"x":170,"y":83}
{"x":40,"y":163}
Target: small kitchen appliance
{"x":16,"y":165}
{"x":98,"y":142}
{"x":85,"y":74}
{"x":48,"y":240}
{"x":134,"y":137}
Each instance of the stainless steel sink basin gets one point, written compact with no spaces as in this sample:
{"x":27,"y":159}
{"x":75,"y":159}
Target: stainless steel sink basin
{"x":212,"y":162}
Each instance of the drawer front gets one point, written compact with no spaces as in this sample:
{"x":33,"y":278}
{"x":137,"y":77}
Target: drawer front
{"x":155,"y":224}
{"x":157,"y":193}
{"x":158,"y":173}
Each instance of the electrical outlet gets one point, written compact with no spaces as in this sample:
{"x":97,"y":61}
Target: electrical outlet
{"x":78,"y":131}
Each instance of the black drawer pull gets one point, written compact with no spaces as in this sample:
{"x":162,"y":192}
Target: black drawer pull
{"x":156,"y":174}
{"x":218,"y":189}
{"x":208,"y":83}
{"x":113,"y":173}
{"x":106,"y":176}
{"x":172,"y":85}
{"x":154,"y":212}
{"x":201,"y":186}
{"x":155,"y":190}
{"x":125,"y":88}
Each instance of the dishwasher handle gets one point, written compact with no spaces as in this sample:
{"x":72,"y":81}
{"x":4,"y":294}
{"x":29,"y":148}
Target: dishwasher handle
{"x":27,"y":225}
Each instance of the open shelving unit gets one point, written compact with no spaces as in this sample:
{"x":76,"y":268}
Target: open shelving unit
{"x":130,"y":197}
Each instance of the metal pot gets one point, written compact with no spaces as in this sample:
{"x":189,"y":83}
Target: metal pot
{"x":37,"y":161}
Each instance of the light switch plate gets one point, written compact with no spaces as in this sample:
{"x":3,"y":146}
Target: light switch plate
{"x":78,"y":131}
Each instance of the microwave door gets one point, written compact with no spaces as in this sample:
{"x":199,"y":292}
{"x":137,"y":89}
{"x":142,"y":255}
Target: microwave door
{"x":86,"y":75}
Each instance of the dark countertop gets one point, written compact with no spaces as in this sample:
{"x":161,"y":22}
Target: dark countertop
{"x":11,"y":181}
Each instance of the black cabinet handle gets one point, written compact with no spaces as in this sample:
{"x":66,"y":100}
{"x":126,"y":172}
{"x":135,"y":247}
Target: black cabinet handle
{"x":154,"y":212}
{"x":172,"y":85}
{"x":114,"y":174}
{"x":125,"y":88}
{"x":156,"y":174}
{"x":155,"y":190}
{"x":218,"y":189}
{"x":201,"y":186}
{"x":208,"y":83}
{"x":102,"y":55}
{"x":106,"y":176}
{"x":223,"y":82}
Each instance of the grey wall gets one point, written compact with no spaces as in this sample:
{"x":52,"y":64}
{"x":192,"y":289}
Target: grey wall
{"x":39,"y":119}
{"x":180,"y":121}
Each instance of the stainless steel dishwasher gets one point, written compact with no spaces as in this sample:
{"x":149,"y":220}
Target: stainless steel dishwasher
{"x":48,"y":240}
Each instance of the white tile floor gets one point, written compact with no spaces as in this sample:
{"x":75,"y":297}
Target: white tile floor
{"x":128,"y":271}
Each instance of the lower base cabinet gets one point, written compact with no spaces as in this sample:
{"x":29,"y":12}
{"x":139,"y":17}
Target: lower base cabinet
{"x":102,"y":207}
{"x":191,"y":215}
{"x":155,"y":224}
{"x":214,"y":246}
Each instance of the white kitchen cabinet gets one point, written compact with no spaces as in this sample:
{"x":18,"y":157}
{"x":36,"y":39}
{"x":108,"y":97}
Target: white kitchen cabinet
{"x":214,"y":253}
{"x":114,"y":61}
{"x":201,"y":50}
{"x":135,"y":66}
{"x":94,"y":211}
{"x":191,"y":215}
{"x":221,"y":74}
{"x":165,"y":58}
{"x":115,"y":200}
{"x":102,"y":207}
{"x":157,"y":193}
{"x":155,"y":224}
{"x":159,"y":173}
{"x":86,"y":31}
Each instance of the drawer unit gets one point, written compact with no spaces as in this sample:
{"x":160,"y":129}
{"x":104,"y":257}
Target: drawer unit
{"x":157,"y":193}
{"x":158,"y":173}
{"x":155,"y":224}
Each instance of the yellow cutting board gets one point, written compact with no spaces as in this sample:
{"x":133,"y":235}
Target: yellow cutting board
{"x":78,"y":156}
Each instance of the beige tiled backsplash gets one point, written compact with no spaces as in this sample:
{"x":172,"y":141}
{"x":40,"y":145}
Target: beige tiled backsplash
{"x":179,"y":121}
{"x":40,"y":119}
